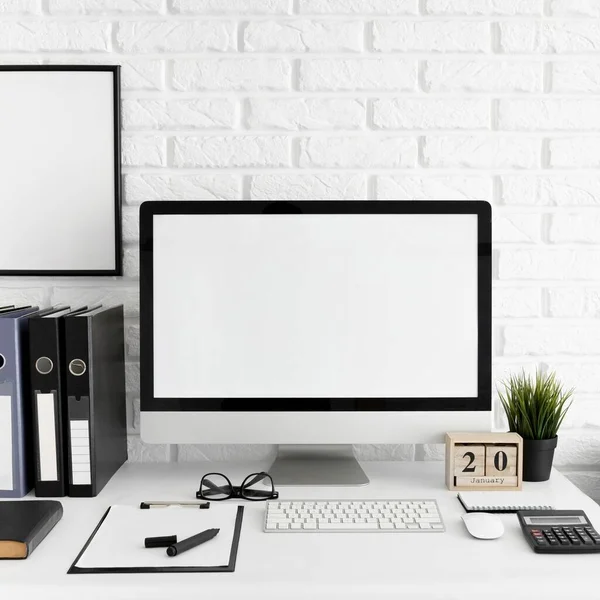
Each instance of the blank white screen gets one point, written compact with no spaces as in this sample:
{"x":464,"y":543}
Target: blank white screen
{"x":57,"y":178}
{"x":315,"y":306}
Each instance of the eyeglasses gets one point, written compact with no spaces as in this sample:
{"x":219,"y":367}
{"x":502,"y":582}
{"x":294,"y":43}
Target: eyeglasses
{"x":257,"y":486}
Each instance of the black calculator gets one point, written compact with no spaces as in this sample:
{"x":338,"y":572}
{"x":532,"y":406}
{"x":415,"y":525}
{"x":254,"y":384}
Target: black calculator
{"x":559,"y":531}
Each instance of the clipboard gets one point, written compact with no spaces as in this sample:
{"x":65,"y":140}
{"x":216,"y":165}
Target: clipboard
{"x":227,"y":568}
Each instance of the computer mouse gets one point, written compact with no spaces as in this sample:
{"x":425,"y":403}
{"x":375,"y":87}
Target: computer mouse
{"x":483,"y":526}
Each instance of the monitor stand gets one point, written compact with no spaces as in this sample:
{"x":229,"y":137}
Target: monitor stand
{"x":327,"y":465}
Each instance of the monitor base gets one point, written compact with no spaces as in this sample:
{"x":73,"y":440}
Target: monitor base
{"x":326,"y":465}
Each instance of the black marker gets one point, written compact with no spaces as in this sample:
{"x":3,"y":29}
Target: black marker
{"x":192,"y":542}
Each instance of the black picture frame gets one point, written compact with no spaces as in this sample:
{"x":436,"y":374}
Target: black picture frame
{"x":483,"y":401}
{"x":118,"y":243}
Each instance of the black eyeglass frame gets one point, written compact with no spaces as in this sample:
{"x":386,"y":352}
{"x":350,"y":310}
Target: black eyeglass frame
{"x":238,"y":491}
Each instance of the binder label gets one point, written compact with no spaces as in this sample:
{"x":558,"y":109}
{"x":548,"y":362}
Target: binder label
{"x":81,"y":472}
{"x":46,"y":429}
{"x":6,"y":444}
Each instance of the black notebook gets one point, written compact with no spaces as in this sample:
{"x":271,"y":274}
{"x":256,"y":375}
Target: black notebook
{"x":503,"y":502}
{"x":24,"y":524}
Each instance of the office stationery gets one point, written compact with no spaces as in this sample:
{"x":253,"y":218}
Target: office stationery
{"x":60,"y":143}
{"x":49,"y":402}
{"x":192,"y":542}
{"x":483,"y":526}
{"x":490,"y":461}
{"x":255,"y":487}
{"x":178,"y":504}
{"x":160,"y":541}
{"x":502,"y":501}
{"x":15,"y":415}
{"x":559,"y":531}
{"x":353,"y":516}
{"x":25,"y":524}
{"x":273,"y":567}
{"x":130,"y":525}
{"x":95,"y":390}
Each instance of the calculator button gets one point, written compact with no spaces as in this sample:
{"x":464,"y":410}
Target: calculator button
{"x":587,"y":541}
{"x":585,"y":538}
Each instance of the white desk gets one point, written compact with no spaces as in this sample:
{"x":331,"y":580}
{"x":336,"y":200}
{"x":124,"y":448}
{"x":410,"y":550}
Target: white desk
{"x":450,"y":565}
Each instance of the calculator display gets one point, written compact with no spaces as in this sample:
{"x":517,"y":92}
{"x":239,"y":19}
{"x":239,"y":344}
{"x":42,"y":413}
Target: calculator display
{"x":574,"y":520}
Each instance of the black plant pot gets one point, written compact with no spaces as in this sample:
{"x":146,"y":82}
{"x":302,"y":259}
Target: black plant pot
{"x":537,"y":459}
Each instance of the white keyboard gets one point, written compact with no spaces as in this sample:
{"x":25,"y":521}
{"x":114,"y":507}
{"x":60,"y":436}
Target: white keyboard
{"x":353,"y":516}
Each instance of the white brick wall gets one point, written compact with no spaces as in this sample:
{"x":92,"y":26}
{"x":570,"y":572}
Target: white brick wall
{"x":362,"y":99}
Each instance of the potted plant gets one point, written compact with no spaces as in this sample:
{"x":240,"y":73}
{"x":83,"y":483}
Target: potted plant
{"x":535,"y":408}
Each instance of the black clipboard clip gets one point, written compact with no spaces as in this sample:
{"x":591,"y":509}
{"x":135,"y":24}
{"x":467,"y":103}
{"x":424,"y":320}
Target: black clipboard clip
{"x":201,"y":505}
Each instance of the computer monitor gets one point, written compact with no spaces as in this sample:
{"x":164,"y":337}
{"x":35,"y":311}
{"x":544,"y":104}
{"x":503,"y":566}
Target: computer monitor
{"x":315,"y":323}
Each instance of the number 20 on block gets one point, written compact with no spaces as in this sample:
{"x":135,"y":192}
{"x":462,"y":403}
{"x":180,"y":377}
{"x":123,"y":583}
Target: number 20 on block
{"x":487,"y":461}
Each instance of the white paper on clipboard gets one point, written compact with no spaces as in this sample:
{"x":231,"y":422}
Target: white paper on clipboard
{"x":119,"y":543}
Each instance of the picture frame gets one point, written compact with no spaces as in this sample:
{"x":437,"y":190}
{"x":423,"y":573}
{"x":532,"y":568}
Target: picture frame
{"x":60,"y":170}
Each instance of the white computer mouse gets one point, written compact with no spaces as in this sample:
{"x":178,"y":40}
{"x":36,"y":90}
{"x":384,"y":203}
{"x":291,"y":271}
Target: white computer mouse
{"x":483,"y":526}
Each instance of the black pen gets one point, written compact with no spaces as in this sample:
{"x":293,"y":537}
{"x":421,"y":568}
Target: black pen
{"x":192,"y":542}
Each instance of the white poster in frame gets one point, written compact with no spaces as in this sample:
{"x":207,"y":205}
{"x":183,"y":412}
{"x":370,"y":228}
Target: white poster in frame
{"x":60,"y":170}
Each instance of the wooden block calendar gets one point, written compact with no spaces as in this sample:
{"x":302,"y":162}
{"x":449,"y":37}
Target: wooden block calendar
{"x":484,"y":461}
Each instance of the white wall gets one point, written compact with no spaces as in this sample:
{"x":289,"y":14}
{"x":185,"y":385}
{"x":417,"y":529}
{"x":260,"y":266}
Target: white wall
{"x":463,"y":99}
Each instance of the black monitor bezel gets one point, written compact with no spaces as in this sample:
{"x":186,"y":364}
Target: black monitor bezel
{"x":483,"y":401}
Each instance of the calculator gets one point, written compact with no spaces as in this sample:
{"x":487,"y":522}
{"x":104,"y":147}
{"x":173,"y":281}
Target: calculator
{"x":559,"y":531}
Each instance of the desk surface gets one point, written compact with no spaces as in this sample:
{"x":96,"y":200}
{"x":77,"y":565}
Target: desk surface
{"x":337,"y":565}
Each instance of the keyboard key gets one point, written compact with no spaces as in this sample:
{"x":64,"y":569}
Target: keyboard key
{"x":425,"y":525}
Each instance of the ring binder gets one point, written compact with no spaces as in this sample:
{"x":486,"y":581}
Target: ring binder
{"x":95,"y":389}
{"x":15,"y":458}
